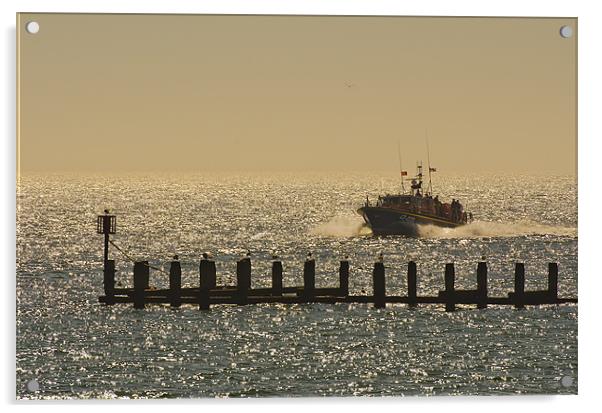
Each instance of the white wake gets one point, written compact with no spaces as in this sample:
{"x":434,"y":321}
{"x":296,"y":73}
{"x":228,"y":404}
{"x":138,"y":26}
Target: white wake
{"x":345,"y":226}
{"x":484,"y":229}
{"x":342,"y":226}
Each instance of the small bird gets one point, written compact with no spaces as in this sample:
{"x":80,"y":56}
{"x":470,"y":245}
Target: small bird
{"x":274,"y":255}
{"x":309,"y":255}
{"x":248,"y":253}
{"x":346,"y":257}
{"x":205,"y":255}
{"x":380,"y":257}
{"x":176,"y":257}
{"x":106,"y":211}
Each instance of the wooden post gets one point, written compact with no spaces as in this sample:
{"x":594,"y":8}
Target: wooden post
{"x":207,"y":273}
{"x":553,"y":281}
{"x":109,"y":282}
{"x":519,"y":285}
{"x":412,"y":281}
{"x":243,"y":280}
{"x":175,"y":284}
{"x":378,"y":280}
{"x":482,"y":285}
{"x":309,"y":279}
{"x":247,"y":269}
{"x":207,"y":281}
{"x":450,"y":296}
{"x":141,"y":275}
{"x":277,"y":278}
{"x":344,"y":278}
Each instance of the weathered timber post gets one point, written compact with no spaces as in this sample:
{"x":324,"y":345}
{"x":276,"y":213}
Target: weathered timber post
{"x":203,"y":298}
{"x":482,"y":285}
{"x":412,"y":281}
{"x":207,"y":281}
{"x":109,"y":282}
{"x":519,"y":285}
{"x":277,"y":278}
{"x":553,"y":281}
{"x":344,"y":278}
{"x":450,"y":295}
{"x":378,"y":280}
{"x":175,"y":284}
{"x":309,"y":279}
{"x":141,"y":275}
{"x":207,"y":273}
{"x":243,"y":280}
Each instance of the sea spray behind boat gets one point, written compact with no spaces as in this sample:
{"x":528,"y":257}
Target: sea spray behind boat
{"x":345,"y":226}
{"x":342,"y":226}
{"x":486,"y":229}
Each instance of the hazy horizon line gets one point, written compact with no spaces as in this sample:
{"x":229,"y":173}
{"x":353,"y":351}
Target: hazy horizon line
{"x":291,"y":171}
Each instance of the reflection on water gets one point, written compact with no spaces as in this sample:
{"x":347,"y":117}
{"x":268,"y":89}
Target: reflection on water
{"x":75,"y":347}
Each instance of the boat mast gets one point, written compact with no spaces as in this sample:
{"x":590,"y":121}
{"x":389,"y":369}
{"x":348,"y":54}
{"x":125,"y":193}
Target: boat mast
{"x":403,"y":190}
{"x":420,"y":176}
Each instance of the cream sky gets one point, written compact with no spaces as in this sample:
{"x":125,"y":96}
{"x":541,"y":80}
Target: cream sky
{"x":197,"y":93}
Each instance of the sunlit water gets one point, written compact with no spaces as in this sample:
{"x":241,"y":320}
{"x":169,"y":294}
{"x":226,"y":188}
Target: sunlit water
{"x":75,"y":347}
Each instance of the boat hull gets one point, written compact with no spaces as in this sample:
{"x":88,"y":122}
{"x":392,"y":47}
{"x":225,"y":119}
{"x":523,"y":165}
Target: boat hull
{"x":386,"y":221}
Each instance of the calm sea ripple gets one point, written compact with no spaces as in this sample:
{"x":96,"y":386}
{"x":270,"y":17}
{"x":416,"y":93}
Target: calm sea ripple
{"x":75,"y":347}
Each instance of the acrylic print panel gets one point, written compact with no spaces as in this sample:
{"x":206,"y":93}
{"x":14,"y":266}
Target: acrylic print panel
{"x":295,"y":206}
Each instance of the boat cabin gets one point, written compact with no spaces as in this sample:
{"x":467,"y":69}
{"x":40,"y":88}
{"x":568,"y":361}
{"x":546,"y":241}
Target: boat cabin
{"x":424,"y":205}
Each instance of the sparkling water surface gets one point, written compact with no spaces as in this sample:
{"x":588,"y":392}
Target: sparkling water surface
{"x":75,"y":347}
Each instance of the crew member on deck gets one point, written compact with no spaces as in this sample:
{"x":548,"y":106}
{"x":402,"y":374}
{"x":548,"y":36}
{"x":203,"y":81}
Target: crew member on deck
{"x":454,"y":210}
{"x":437,"y":205}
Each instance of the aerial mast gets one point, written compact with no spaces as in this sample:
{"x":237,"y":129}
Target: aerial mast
{"x":401,"y":171}
{"x":428,"y":158}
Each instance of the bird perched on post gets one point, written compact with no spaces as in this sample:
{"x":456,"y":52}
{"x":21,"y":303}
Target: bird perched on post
{"x":309,"y":256}
{"x":106,"y":211}
{"x":205,"y":255}
{"x":274,"y":255}
{"x":380,"y":257}
{"x":176,"y":257}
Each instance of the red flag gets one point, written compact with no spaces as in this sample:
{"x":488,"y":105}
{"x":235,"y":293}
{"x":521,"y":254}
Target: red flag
{"x":404,"y":173}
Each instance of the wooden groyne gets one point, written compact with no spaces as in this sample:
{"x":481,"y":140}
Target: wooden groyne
{"x":207,"y":293}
